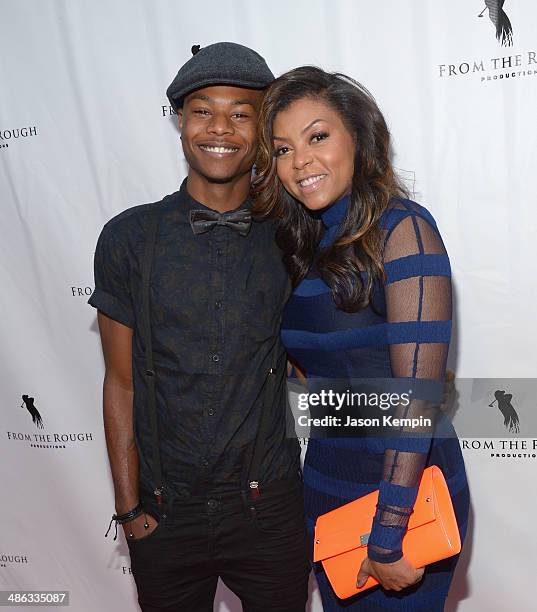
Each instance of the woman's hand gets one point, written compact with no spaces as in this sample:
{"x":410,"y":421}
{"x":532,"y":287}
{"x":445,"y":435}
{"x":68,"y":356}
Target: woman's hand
{"x":392,"y":576}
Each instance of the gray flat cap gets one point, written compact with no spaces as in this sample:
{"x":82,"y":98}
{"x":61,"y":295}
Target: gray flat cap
{"x":224,"y":63}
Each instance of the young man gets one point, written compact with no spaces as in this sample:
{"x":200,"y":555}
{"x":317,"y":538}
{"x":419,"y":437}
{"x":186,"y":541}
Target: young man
{"x":196,"y":502}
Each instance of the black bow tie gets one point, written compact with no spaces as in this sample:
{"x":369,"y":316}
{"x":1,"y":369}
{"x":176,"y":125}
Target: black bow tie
{"x":204,"y":220}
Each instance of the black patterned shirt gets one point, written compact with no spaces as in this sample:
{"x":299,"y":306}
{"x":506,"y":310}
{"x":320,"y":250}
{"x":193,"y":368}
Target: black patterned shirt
{"x":216,"y":302}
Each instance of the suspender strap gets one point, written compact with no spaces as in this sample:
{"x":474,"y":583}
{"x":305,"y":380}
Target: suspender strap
{"x":268,"y":399}
{"x":149,"y":366}
{"x":264,"y":424}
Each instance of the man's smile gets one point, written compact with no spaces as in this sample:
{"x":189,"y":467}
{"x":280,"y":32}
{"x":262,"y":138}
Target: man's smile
{"x":219,"y":150}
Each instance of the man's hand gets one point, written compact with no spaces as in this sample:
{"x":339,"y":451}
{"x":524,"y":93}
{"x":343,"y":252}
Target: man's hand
{"x":392,"y":576}
{"x":136,"y":526}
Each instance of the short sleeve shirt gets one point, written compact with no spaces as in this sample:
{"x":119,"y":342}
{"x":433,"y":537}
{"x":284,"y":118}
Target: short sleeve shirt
{"x":216,"y":303}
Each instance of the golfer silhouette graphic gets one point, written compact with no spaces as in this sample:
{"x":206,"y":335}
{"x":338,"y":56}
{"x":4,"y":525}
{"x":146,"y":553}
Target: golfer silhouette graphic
{"x":30,"y":406}
{"x":510,"y":416}
{"x":504,"y":29}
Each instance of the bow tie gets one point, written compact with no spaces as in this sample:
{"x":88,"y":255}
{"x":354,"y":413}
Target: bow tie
{"x":203,"y":221}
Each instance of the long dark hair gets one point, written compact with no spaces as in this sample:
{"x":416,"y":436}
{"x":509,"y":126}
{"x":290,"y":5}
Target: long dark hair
{"x":374,"y":183}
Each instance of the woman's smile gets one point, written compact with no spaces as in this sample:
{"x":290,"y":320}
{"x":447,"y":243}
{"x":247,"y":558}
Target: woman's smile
{"x":311,"y":183}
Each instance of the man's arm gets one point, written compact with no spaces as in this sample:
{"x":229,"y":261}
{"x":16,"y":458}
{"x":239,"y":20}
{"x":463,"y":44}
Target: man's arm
{"x":118,"y":393}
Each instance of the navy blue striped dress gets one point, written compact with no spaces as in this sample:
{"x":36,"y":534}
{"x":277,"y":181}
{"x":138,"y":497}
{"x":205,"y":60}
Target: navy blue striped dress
{"x":406,"y":335}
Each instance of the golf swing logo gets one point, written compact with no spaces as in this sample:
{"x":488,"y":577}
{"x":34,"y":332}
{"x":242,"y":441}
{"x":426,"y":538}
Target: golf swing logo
{"x":504,"y":29}
{"x":28,"y":402}
{"x":510,"y":416}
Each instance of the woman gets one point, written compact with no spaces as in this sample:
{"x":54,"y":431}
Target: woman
{"x":371,"y":299}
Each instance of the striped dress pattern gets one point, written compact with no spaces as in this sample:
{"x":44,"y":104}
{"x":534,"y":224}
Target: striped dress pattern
{"x":405,"y":334}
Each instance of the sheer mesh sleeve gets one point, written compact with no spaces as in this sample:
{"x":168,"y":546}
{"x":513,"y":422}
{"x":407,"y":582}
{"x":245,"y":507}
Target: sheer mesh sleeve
{"x":418,"y":310}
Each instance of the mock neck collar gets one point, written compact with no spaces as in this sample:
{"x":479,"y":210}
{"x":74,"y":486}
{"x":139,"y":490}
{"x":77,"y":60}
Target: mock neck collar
{"x":335,"y":213}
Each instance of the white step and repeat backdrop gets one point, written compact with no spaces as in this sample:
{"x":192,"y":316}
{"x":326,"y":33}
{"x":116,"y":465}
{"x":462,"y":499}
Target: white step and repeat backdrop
{"x":86,"y":131}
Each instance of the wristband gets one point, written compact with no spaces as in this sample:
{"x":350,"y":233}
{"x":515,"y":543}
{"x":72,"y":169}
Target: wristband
{"x":125,"y":518}
{"x":128,"y":516}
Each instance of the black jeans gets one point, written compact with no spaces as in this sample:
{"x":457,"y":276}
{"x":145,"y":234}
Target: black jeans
{"x":258,"y":549}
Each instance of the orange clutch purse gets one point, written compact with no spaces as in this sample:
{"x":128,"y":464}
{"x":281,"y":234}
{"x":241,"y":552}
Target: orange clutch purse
{"x":341,"y":535}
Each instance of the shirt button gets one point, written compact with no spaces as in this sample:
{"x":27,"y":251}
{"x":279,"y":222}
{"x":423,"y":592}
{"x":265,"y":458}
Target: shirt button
{"x":219,"y":252}
{"x":211,"y":412}
{"x":205,"y":463}
{"x":212,"y":503}
{"x":215,"y":357}
{"x":218,"y":304}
